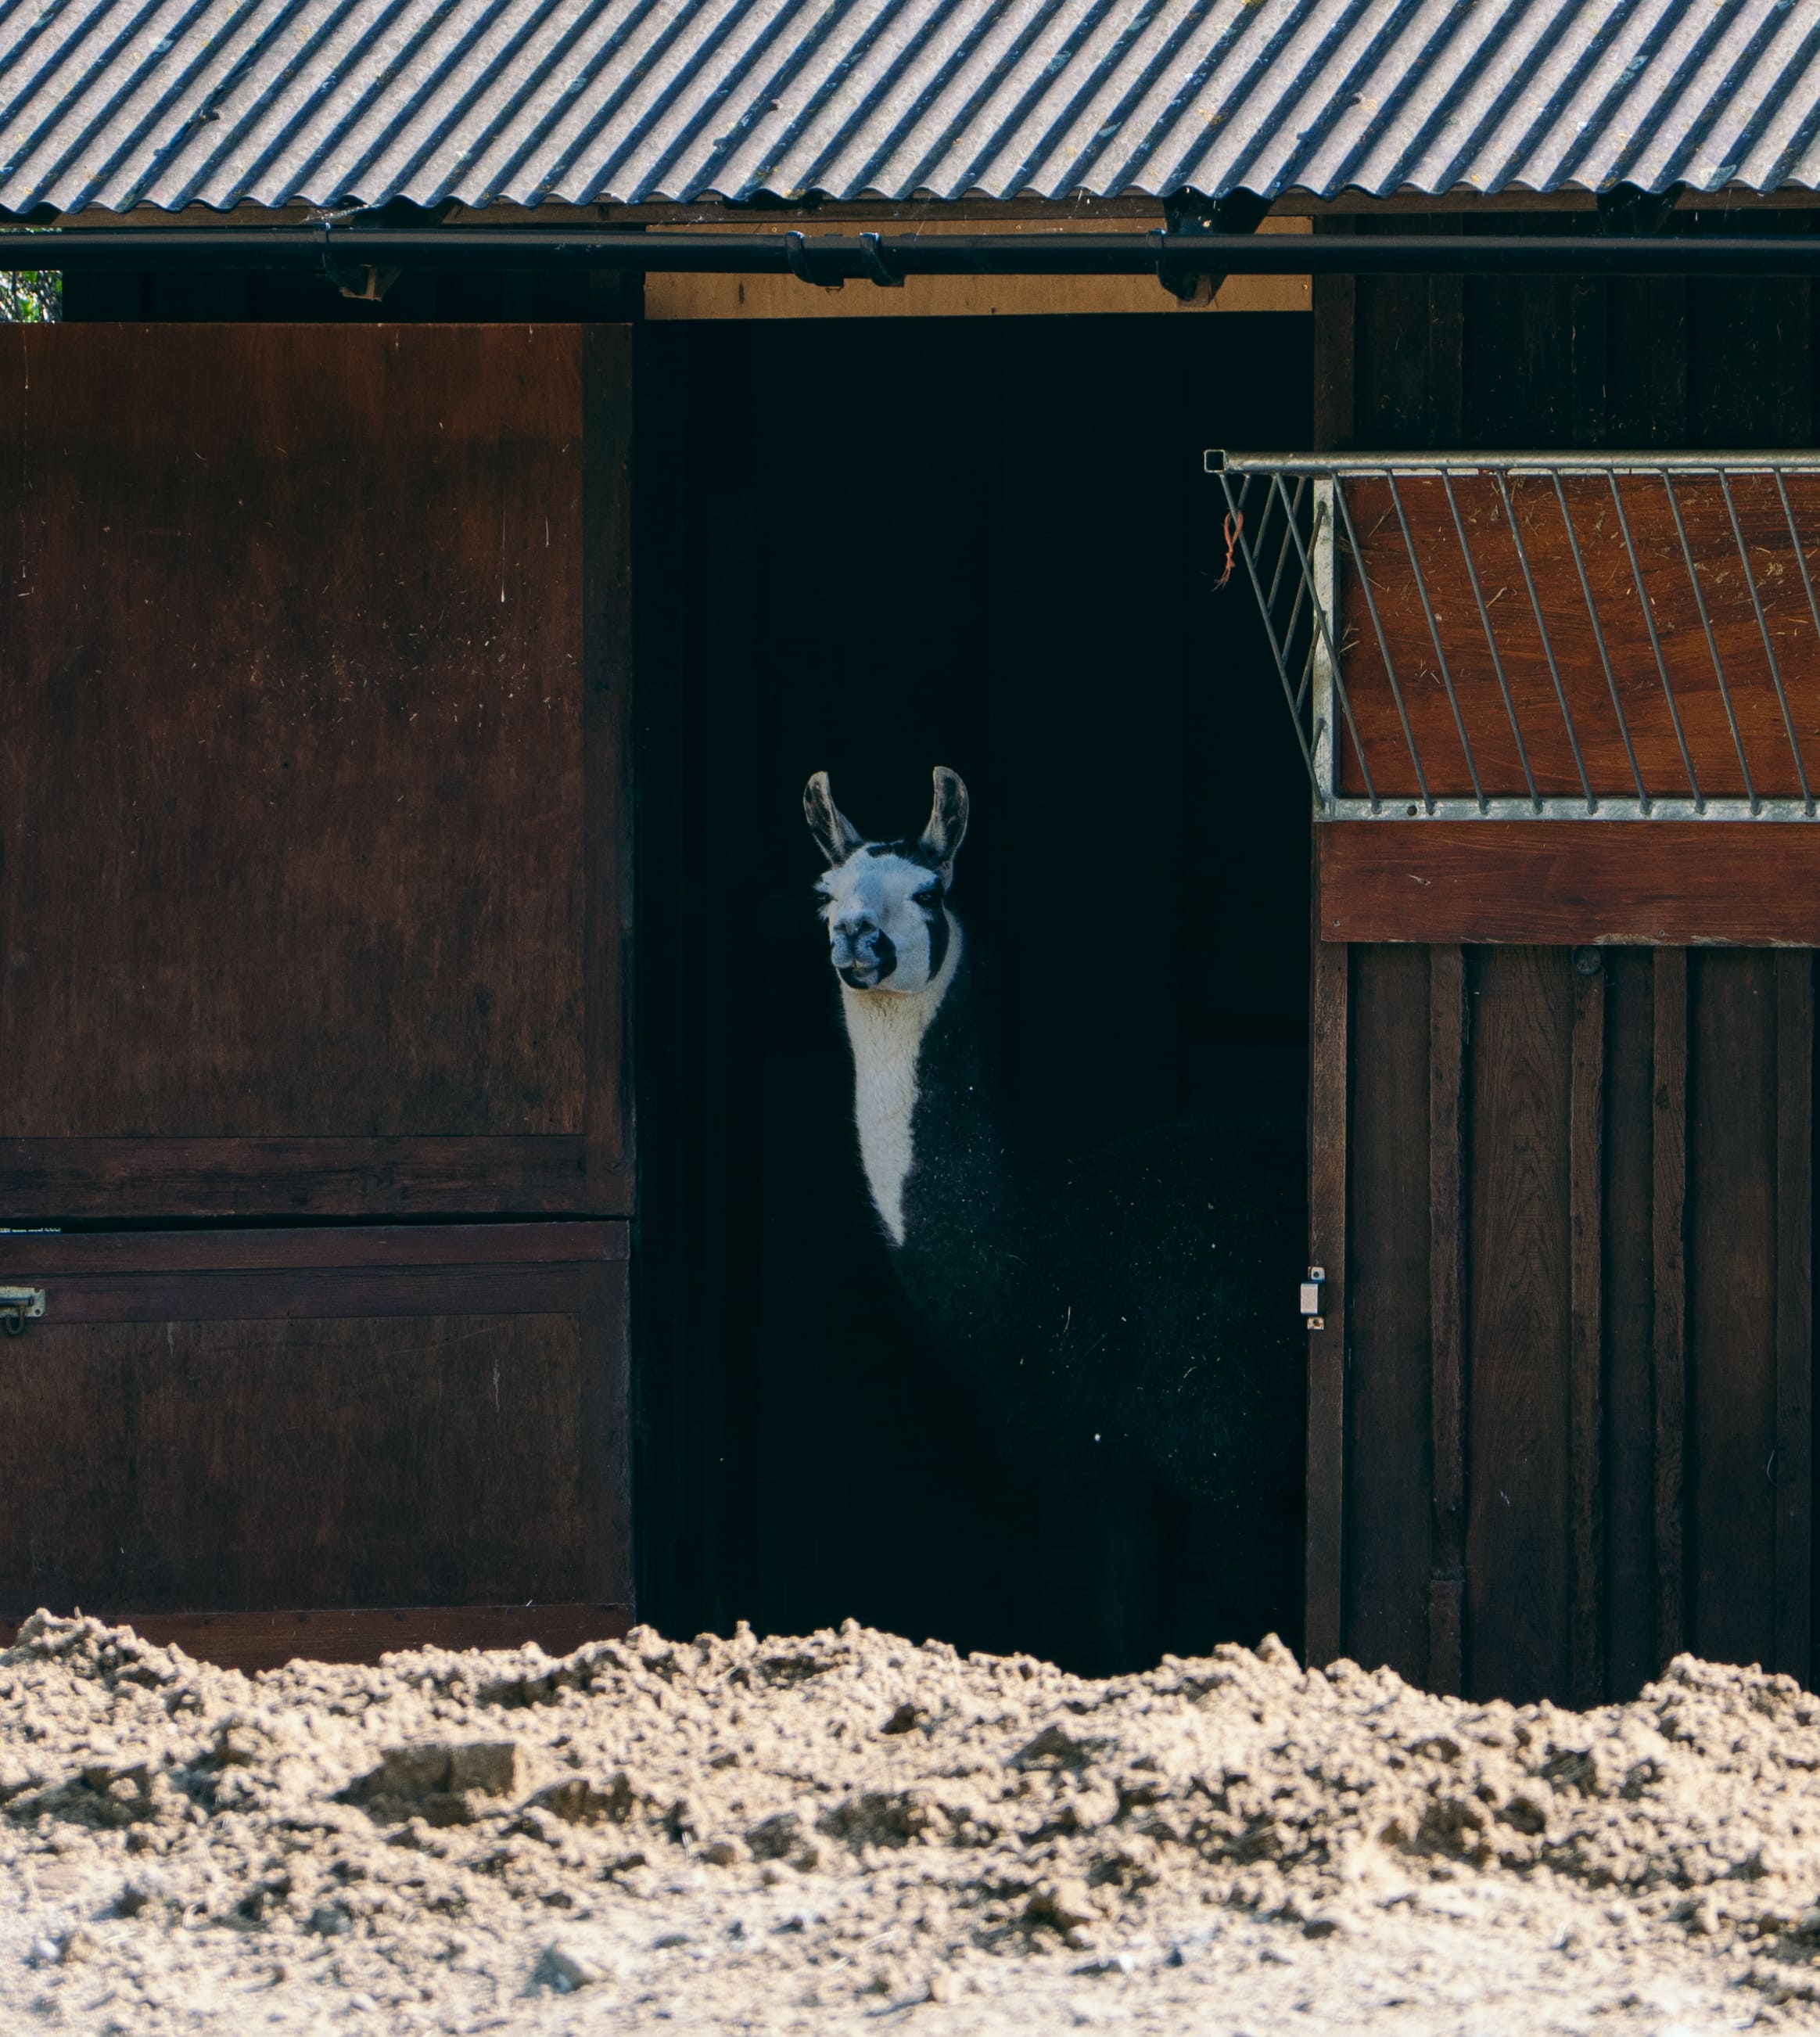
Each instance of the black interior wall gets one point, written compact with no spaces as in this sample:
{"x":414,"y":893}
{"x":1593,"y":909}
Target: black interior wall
{"x":870,"y":547}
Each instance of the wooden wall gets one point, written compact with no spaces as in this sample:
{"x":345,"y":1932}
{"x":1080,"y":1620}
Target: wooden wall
{"x":1562,"y":1424}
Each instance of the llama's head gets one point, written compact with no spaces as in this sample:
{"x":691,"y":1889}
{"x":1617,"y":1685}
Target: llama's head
{"x":886,"y":902}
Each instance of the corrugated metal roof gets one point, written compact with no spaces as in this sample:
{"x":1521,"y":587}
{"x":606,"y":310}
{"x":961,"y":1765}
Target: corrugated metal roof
{"x":117,"y":103}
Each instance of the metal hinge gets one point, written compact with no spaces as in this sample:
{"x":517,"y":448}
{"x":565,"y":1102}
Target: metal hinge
{"x":17,"y":1307}
{"x":1312,"y":1298}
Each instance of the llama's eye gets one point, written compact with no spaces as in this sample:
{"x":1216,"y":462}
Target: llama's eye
{"x":928,"y":899}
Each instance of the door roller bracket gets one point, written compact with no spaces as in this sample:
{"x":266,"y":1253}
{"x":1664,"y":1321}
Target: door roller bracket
{"x":19,"y":1305}
{"x":1311,"y":1297}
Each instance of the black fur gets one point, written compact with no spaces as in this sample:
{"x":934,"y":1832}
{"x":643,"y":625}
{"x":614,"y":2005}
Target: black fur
{"x":1142,"y":1295}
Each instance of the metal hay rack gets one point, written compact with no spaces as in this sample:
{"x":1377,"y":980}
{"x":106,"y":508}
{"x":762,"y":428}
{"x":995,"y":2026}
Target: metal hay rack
{"x":1516,"y":637}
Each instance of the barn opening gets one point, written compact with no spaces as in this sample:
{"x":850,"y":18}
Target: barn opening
{"x":871,"y":545}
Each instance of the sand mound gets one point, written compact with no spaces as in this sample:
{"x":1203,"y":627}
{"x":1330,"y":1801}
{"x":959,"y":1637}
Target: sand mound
{"x":822,"y":1833}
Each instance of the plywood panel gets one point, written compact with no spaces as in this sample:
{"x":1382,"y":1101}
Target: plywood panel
{"x":264,"y":1429}
{"x":308,"y":736}
{"x":1607,"y":706}
{"x":366,"y":1462}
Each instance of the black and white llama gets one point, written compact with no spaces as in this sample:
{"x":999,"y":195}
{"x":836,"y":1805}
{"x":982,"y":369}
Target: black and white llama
{"x":1126,"y":1310}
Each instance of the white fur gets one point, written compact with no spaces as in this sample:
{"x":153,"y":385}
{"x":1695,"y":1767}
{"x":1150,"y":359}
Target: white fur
{"x":886,"y":1028}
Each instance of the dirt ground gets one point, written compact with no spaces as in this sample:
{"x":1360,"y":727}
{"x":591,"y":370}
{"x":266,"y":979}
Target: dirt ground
{"x":848,"y":1832}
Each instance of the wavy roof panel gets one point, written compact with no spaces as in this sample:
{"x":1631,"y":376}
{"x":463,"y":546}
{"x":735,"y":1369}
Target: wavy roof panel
{"x":169,"y":102}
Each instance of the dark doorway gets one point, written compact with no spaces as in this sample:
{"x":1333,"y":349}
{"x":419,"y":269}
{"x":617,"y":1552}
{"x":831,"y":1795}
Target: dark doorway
{"x":871,"y":547}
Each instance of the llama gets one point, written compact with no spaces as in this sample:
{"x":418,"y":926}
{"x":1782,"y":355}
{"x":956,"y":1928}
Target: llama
{"x":1126,"y":1308}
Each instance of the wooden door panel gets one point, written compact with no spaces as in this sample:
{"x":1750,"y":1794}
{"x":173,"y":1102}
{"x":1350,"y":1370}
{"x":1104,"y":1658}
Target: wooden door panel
{"x":1630,"y":1338}
{"x":310,"y":762}
{"x":401,"y":1428}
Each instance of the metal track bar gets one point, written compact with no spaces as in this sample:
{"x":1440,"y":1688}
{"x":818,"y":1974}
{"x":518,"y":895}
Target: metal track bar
{"x":1407,"y":465}
{"x":1570,"y":808}
{"x":831,"y":259}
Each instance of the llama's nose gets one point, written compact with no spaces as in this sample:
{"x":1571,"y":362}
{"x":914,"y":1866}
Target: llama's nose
{"x":856,"y":932}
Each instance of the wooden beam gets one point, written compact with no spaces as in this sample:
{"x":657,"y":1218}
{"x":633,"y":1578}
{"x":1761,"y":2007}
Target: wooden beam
{"x":1738,"y":883}
{"x":1586,"y":1126}
{"x":1669,"y":1340}
{"x":1447,"y":1347}
{"x":252,"y":1641}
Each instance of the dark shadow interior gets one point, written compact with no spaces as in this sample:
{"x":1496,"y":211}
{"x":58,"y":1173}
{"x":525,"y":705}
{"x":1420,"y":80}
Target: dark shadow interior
{"x":870,"y":547}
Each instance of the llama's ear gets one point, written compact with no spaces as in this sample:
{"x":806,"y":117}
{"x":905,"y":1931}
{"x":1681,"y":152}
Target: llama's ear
{"x":835,"y":834}
{"x":947,"y":827}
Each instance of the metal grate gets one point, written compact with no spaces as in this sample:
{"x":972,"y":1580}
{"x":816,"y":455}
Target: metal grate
{"x":1516,"y":637}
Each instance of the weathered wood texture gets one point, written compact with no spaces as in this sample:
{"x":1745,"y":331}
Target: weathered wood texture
{"x":1617,"y":682}
{"x":312,"y":770}
{"x":438,"y":1419}
{"x":1636,"y":1124}
{"x":1518,"y":1481}
{"x":1389,"y":1473}
{"x":1737,"y":883}
{"x":1329,"y":1055}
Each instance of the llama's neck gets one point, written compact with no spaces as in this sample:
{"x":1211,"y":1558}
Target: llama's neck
{"x":886,"y":1030}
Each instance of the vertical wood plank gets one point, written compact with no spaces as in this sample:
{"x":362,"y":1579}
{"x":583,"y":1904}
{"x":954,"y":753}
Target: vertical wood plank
{"x":606,"y":658}
{"x":1446,"y":348}
{"x":1589,"y":311}
{"x":604,"y":1446}
{"x":1730,"y":1469}
{"x":1389,"y":1552}
{"x":1586,"y":1127}
{"x":1328,"y":1041}
{"x":1670,"y":1339}
{"x":1518,"y":1582}
{"x":1336,"y":327}
{"x":1794,"y":1312}
{"x":1447,"y":1017}
{"x":1628,"y":1458}
{"x":1646,"y":325}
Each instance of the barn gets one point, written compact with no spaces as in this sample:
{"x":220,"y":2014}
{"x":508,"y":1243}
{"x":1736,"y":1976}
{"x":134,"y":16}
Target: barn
{"x":489,"y":455}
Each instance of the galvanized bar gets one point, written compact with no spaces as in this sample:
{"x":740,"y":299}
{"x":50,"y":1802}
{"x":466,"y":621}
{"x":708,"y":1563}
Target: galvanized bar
{"x":1296,"y":608}
{"x":1768,"y":649}
{"x":1320,"y":666}
{"x":1434,"y":638}
{"x":1599,"y":638}
{"x":1338,"y":678}
{"x":1528,"y":465}
{"x":1548,"y":642}
{"x":1346,"y":516}
{"x":1245,"y":552}
{"x":1712,"y":642}
{"x":1283,"y":543}
{"x":1655,"y":642}
{"x":1569,"y":807}
{"x":1491,"y":641}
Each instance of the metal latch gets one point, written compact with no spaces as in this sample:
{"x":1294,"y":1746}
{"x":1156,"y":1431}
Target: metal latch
{"x":1312,"y":1298}
{"x":17,"y":1305}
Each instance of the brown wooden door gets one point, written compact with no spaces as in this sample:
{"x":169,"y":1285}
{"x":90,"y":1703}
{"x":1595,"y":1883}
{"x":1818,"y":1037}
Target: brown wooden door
{"x":260,"y":1443}
{"x":311,"y":771}
{"x":314,"y":873}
